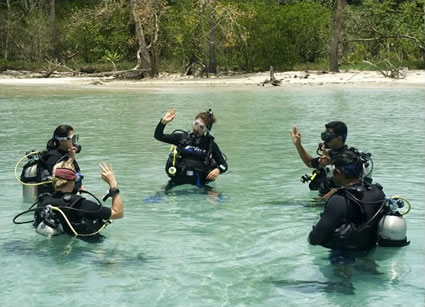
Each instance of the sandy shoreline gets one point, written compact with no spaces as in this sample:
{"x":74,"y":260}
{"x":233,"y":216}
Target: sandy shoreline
{"x":414,"y":78}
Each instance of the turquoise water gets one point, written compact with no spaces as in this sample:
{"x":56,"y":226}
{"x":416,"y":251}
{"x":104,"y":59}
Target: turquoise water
{"x":243,"y":245}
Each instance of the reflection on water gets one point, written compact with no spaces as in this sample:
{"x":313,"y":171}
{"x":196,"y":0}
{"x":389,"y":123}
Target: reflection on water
{"x":240,"y":243}
{"x":342,"y":287}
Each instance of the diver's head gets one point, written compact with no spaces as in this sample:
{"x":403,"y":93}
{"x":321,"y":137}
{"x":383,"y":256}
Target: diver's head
{"x":203,"y":122}
{"x":64,"y":177}
{"x":348,"y":168}
{"x":335,"y":134}
{"x":64,"y":138}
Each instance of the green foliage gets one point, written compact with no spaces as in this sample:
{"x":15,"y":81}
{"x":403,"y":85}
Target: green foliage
{"x":283,"y":35}
{"x":385,"y":31}
{"x":249,"y":35}
{"x":96,"y":33}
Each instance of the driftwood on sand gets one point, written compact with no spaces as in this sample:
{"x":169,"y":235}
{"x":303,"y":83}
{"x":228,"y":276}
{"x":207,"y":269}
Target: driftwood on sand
{"x":273,"y":81}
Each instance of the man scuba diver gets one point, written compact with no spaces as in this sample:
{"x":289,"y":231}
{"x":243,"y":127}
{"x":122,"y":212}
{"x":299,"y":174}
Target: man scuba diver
{"x":334,"y":138}
{"x":349,"y":222}
{"x":195,"y":157}
{"x":64,"y":211}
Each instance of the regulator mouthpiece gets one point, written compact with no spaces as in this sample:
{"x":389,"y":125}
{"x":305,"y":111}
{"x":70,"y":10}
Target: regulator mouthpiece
{"x":78,"y":148}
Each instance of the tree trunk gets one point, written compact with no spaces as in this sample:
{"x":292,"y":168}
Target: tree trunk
{"x":53,"y":29}
{"x":143,"y":55}
{"x":212,"y":67}
{"x":8,"y":27}
{"x":336,"y":35}
{"x":423,"y":50}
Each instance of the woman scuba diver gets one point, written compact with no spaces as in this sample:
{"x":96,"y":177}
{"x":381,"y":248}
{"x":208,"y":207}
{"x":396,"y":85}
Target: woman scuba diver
{"x":65,"y":212}
{"x":195,"y":157}
{"x":40,"y":166}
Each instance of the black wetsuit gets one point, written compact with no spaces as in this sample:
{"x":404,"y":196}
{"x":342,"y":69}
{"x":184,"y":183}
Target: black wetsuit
{"x":46,"y":163}
{"x":86,"y":217}
{"x":199,"y":156}
{"x":343,"y":209}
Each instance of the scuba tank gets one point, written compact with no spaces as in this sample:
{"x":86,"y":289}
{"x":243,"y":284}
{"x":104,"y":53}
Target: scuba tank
{"x":29,"y":178}
{"x":35,"y":176}
{"x":392,"y":227}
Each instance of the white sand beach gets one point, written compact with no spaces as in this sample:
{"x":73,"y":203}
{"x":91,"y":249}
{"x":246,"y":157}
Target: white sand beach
{"x":414,"y":78}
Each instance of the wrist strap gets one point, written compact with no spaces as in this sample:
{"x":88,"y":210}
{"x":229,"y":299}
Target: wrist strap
{"x":111,"y":193}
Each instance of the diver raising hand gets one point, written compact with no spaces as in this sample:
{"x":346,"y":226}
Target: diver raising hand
{"x":195,"y":157}
{"x":169,"y":116}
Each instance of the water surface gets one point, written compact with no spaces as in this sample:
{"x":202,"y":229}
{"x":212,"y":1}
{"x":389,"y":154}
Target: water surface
{"x":242,"y":245}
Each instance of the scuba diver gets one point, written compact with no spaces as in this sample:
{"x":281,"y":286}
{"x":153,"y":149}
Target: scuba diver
{"x":333,"y":138}
{"x":353,"y":220}
{"x":37,"y":172}
{"x":65,"y":212}
{"x":195,"y":157}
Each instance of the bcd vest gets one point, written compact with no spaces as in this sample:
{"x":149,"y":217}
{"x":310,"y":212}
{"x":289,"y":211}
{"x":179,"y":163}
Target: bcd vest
{"x":191,"y":156}
{"x":364,"y":210}
{"x":82,"y":224}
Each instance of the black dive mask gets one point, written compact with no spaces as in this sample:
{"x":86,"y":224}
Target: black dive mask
{"x":327,"y":136}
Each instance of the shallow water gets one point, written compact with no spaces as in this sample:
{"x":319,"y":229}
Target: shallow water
{"x":243,"y":245}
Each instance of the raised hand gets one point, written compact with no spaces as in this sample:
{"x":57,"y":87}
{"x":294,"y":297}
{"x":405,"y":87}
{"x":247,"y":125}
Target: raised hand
{"x":324,"y":158}
{"x":107,"y":175}
{"x":296,"y":136}
{"x":169,"y":116}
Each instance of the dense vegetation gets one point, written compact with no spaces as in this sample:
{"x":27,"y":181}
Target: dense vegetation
{"x":193,"y":36}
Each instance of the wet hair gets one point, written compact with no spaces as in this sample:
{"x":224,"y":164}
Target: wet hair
{"x":207,"y":117}
{"x":349,"y":164}
{"x":60,"y":131}
{"x":339,"y":129}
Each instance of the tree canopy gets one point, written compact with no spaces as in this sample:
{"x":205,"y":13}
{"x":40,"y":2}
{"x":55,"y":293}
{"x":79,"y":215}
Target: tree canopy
{"x":191,"y":36}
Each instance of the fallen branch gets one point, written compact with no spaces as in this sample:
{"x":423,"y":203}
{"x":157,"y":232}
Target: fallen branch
{"x":393,"y":72}
{"x":123,"y":74}
{"x":272,"y":80}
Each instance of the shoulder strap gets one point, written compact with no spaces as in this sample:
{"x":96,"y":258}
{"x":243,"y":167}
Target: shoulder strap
{"x":365,"y":223}
{"x":186,"y":139}
{"x":66,"y":200}
{"x":349,"y":198}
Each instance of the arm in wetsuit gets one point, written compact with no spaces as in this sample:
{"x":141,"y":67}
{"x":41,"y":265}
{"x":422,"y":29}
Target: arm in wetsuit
{"x":219,"y":158}
{"x":173,"y":138}
{"x":334,"y":215}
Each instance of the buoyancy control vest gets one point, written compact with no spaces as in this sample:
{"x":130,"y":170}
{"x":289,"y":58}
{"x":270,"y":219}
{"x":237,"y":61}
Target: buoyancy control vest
{"x":59,"y":212}
{"x":365,"y":208}
{"x":192,"y":156}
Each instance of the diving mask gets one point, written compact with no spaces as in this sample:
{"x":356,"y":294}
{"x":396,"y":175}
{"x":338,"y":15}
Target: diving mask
{"x":199,"y":126}
{"x":327,"y":136}
{"x":73,"y":138}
